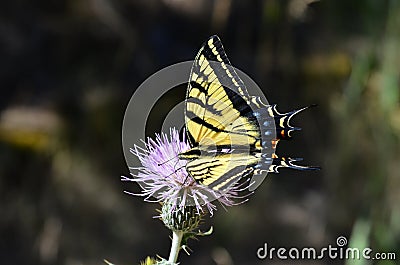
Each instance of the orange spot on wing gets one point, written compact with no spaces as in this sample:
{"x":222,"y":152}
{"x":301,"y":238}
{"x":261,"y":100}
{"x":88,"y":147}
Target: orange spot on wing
{"x":274,"y":143}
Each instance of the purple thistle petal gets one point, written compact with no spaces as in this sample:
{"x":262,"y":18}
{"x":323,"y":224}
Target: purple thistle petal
{"x":164,"y":177}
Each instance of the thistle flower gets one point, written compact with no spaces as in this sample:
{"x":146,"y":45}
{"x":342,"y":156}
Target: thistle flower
{"x":164,"y":178}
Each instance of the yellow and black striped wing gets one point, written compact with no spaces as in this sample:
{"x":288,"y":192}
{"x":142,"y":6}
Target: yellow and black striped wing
{"x":220,"y":124}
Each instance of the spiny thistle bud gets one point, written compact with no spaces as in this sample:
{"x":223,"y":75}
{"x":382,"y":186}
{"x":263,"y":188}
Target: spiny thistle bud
{"x":184,"y":219}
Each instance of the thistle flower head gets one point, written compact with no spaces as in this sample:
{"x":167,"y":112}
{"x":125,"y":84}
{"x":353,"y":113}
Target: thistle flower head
{"x":163,"y":176}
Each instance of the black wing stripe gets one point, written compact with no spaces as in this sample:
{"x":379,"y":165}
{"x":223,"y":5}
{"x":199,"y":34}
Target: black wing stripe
{"x":202,"y":122}
{"x":196,"y":85}
{"x":223,"y":75}
{"x":201,"y":104}
{"x":231,"y":176}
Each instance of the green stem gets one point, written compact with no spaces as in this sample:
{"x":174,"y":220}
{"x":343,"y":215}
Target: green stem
{"x":176,"y":246}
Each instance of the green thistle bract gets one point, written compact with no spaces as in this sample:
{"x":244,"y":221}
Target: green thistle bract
{"x":184,"y":219}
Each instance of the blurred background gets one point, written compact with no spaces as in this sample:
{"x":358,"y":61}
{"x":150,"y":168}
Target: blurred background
{"x":69,"y":68}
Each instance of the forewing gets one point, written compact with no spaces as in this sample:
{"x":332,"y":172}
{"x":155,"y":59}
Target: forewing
{"x":217,"y":102}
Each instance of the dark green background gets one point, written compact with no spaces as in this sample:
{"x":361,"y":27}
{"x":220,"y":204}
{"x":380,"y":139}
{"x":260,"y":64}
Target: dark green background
{"x":69,"y":68}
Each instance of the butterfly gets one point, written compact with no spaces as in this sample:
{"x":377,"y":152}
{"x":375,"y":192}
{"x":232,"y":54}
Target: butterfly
{"x":232,"y":135}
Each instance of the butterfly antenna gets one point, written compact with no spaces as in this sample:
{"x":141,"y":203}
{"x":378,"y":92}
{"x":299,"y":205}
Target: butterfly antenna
{"x":180,"y":169}
{"x":162,"y":163}
{"x":186,"y":178}
{"x":176,"y":170}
